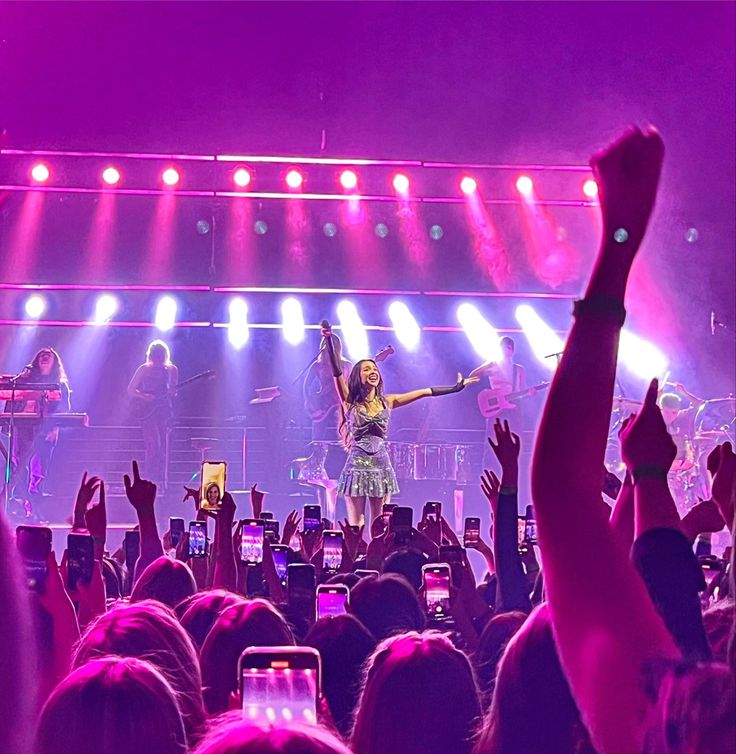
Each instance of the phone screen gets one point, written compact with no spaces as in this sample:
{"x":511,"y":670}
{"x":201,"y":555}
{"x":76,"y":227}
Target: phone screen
{"x":301,"y":584}
{"x":471,"y":535}
{"x":213,"y":476}
{"x":402,"y":519}
{"x":332,"y":550}
{"x":266,"y":516}
{"x":280,"y":560}
{"x":521,"y":530}
{"x":437,"y":590}
{"x":80,"y":559}
{"x":34,"y":546}
{"x":332,"y":599}
{"x":530,"y":531}
{"x":271,"y":529}
{"x":176,"y":529}
{"x":312,"y":517}
{"x":198,"y":539}
{"x":131,"y":548}
{"x":251,"y":542}
{"x":279,"y":684}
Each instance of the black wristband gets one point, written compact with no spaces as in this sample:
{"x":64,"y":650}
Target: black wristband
{"x":600,"y":306}
{"x":447,"y":390}
{"x":649,"y":472}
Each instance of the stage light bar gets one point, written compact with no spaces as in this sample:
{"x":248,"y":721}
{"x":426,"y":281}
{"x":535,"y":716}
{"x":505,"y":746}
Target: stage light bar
{"x":35,"y":306}
{"x":105,"y":309}
{"x":237,"y":330}
{"x":405,"y":325}
{"x":544,"y":341}
{"x":165,"y":313}
{"x":354,"y":333}
{"x":480,"y":332}
{"x":293,"y":321}
{"x":40,"y":172}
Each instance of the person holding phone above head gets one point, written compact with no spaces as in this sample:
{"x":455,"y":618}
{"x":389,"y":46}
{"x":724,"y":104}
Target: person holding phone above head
{"x":153,"y":386}
{"x":365,"y":409}
{"x":34,"y":445}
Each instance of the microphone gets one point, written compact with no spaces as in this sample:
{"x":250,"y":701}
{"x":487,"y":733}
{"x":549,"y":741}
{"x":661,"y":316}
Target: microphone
{"x":325,"y":325}
{"x":712,"y":322}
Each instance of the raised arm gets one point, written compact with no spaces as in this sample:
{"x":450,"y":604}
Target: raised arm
{"x":481,"y":370}
{"x":397,"y":400}
{"x":605,"y":624}
{"x":340,"y":385}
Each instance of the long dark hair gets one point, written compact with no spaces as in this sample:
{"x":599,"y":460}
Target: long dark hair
{"x":356,"y":395}
{"x":57,"y":374}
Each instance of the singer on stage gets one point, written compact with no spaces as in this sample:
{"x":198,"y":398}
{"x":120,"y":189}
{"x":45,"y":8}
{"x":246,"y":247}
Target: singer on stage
{"x":33,"y":444}
{"x":365,"y":409}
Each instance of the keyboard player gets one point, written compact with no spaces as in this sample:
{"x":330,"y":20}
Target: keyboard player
{"x":34,"y":442}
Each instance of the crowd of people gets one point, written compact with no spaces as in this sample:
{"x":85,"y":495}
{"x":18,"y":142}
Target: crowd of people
{"x":604,"y":640}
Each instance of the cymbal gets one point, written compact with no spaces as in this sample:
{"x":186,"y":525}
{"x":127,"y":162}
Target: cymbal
{"x":620,"y":399}
{"x":711,"y":434}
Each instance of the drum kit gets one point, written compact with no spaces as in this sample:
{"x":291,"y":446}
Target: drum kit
{"x":696,"y":433}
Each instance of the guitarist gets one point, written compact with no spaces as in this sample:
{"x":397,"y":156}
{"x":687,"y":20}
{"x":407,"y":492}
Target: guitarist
{"x":153,"y":386}
{"x":506,"y":376}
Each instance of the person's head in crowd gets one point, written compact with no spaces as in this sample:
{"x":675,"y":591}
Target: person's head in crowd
{"x":532,"y":708}
{"x":386,"y":605}
{"x":17,"y":652}
{"x":491,"y":645}
{"x":115,"y":705}
{"x":150,"y":631}
{"x":695,"y":711}
{"x":167,"y":580}
{"x":112,"y":573}
{"x":233,"y":735}
{"x":344,"y":644}
{"x":202,"y":611}
{"x":348,"y":579}
{"x":407,"y":563}
{"x":254,"y":623}
{"x":718,"y":621}
{"x":419,"y":697}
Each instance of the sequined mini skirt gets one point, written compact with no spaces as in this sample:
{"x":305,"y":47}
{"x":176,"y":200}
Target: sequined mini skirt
{"x":368,"y":474}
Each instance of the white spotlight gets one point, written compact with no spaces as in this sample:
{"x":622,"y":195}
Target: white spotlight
{"x":542,"y":338}
{"x":35,"y":307}
{"x":105,"y":309}
{"x":165,"y":313}
{"x":641,"y":357}
{"x":405,"y":326}
{"x":293,"y":321}
{"x":237,"y":331}
{"x":481,"y":333}
{"x":353,"y":330}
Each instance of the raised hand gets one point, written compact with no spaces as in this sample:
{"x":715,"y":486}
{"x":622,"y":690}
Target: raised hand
{"x":506,"y":449}
{"x":193,"y":493}
{"x":463,"y":381}
{"x":140,"y":492}
{"x":491,"y":487}
{"x":350,"y":538}
{"x":87,"y":489}
{"x":704,"y":517}
{"x":645,"y":442}
{"x":96,"y":520}
{"x":291,"y":526}
{"x":627,"y":173}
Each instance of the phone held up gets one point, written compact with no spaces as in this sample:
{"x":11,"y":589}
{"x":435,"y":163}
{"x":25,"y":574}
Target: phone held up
{"x":34,"y":546}
{"x":212,"y":475}
{"x":436,"y":582}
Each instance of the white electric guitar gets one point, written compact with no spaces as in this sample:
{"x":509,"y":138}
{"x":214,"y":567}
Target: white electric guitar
{"x":492,"y":401}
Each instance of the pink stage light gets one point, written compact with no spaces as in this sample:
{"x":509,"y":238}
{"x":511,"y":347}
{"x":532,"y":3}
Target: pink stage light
{"x":111,"y":176}
{"x":401,"y":184}
{"x":170,"y":176}
{"x":348,"y":179}
{"x":241,"y":177}
{"x":294,"y":179}
{"x":468,"y":185}
{"x":40,"y":172}
{"x":524,"y":185}
{"x":590,"y":188}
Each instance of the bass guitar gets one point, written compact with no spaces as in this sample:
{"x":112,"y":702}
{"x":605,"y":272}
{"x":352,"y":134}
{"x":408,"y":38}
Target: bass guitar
{"x":142,"y":409}
{"x":492,"y":401}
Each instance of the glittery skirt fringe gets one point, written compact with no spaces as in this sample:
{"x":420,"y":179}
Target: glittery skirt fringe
{"x":367,"y":474}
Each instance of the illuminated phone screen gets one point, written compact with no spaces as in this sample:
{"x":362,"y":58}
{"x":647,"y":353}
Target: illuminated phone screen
{"x":273,"y":695}
{"x":332,"y":550}
{"x":251,"y":544}
{"x":437,"y":592}
{"x":197,"y":539}
{"x":331,"y":601}
{"x":213,"y":484}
